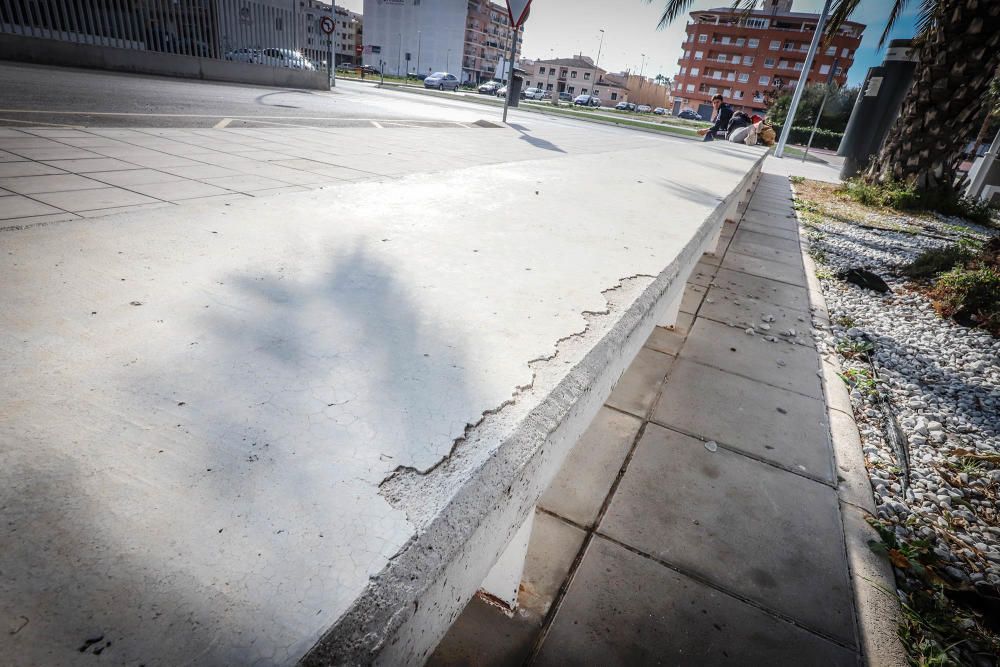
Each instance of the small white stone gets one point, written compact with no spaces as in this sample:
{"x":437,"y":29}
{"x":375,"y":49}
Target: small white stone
{"x":711,"y":445}
{"x":748,"y":331}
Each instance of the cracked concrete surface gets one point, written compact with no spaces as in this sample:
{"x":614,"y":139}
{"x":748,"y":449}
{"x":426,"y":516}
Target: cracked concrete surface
{"x":204,"y":404}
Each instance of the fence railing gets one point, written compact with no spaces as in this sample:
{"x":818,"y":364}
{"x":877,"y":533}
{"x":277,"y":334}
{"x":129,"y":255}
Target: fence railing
{"x":267,"y":32}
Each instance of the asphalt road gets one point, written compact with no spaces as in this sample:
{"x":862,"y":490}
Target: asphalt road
{"x":38,"y":95}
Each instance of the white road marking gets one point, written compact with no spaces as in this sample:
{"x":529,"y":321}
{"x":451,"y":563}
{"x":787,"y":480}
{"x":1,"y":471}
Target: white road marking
{"x":223,"y":123}
{"x":37,"y":122}
{"x":204,"y":115}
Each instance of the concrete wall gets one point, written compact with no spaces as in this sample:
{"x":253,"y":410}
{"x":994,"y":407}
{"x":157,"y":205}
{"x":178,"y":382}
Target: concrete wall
{"x":53,"y":52}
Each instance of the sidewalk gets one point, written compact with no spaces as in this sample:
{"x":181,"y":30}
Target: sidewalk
{"x":698,"y":521}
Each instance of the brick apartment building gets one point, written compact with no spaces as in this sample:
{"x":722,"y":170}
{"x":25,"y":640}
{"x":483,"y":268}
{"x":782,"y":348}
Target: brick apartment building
{"x":742,"y":59}
{"x":463,"y":37}
{"x":579,"y":76}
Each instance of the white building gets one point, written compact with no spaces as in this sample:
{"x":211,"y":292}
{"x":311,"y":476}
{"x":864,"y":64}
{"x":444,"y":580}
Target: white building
{"x":464,"y":37}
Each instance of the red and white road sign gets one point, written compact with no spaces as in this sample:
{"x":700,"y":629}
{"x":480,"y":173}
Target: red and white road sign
{"x":518,"y":10}
{"x":327,"y":25}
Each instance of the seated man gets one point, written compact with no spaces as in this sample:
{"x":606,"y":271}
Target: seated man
{"x":721,"y":115}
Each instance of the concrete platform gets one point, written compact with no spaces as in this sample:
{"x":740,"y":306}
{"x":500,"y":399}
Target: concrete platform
{"x":304,"y":427}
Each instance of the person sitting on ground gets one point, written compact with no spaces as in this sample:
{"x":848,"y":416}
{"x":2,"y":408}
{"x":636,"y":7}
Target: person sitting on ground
{"x":743,"y":128}
{"x":721,"y":115}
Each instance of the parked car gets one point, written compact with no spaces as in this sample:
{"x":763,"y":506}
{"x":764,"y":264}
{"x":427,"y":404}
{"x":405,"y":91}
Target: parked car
{"x":442,"y":81}
{"x":660,"y":111}
{"x":532,"y":94}
{"x":587,"y":101}
{"x":644,"y":108}
{"x":688,"y":114}
{"x":347,"y":67}
{"x":285,"y":58}
{"x":622,"y":106}
{"x":565,"y":97}
{"x":490,"y":87}
{"x":502,"y":91}
{"x":243,"y":55}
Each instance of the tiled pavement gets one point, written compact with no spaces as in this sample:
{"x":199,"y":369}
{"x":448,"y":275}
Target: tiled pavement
{"x":59,"y":174}
{"x":654,"y":546}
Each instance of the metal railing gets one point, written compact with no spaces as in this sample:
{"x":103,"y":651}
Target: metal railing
{"x":268,"y":32}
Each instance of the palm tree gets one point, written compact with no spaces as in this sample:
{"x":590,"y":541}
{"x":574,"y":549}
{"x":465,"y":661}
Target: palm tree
{"x":958,"y":45}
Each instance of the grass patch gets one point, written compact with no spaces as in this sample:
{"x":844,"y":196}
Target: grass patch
{"x":845,"y":321}
{"x":855,"y":349}
{"x":970,"y":296}
{"x":903,"y":197}
{"x":796,"y":179}
{"x":938,"y":260}
{"x":860,"y":379}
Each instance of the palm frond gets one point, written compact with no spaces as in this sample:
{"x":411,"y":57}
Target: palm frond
{"x":839,"y":13}
{"x":898,"y":7}
{"x":671,"y":10}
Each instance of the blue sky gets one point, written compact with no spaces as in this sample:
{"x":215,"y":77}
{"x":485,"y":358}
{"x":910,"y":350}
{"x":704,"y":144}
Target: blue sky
{"x":562,"y":28}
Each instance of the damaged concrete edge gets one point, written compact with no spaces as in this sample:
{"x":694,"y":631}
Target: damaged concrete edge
{"x":408,"y":606}
{"x":876,"y":604}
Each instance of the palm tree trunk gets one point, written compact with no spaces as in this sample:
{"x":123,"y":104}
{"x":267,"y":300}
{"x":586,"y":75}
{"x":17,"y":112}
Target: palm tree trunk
{"x":958,"y":57}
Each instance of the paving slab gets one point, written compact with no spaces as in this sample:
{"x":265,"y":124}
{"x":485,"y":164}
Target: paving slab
{"x":765,"y":268}
{"x":591,"y":467}
{"x":90,"y":200}
{"x":179,"y":190}
{"x":484,"y":635}
{"x":770,"y":230}
{"x":745,"y":311}
{"x":55,"y":153}
{"x":24,"y":167}
{"x":693,"y":294}
{"x":768,"y":240}
{"x":768,"y":535}
{"x":791,"y":367}
{"x":785,"y":428}
{"x":28,"y":185}
{"x":792,"y":297}
{"x":132,"y":177}
{"x":771,"y":218}
{"x":767,"y":252}
{"x":639,"y":386}
{"x":625,"y":609}
{"x":91,"y":164}
{"x":18,"y":206}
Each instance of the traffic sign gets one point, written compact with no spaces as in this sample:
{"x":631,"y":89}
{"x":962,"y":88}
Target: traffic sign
{"x":359,"y":49}
{"x":327,"y":25}
{"x":518,"y":10}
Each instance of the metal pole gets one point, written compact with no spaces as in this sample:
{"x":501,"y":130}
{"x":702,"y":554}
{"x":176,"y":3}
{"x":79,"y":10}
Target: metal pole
{"x":815,"y":124}
{"x":399,"y":55}
{"x":510,"y":75}
{"x":597,"y":73}
{"x":332,"y":47}
{"x":797,"y":95}
{"x":418,"y":54}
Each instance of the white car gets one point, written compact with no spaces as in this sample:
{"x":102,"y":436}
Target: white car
{"x":660,"y":111}
{"x":644,"y":108}
{"x":285,"y":58}
{"x":533,"y":94}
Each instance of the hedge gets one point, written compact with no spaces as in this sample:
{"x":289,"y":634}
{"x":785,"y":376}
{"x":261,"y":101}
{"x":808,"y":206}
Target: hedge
{"x":822,"y":139}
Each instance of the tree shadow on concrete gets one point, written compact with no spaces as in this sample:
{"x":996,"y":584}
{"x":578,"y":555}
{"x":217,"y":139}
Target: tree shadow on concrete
{"x":229,"y":509}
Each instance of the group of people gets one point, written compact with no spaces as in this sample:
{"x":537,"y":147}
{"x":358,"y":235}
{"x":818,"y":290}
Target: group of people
{"x":737,"y":126}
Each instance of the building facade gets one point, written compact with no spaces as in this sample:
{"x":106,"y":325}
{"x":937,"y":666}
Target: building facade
{"x":347,"y":29}
{"x":463,"y":37}
{"x":576,"y":76}
{"x":743,"y":59}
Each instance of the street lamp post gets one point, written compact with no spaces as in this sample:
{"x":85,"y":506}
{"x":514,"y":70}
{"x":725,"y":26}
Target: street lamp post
{"x":447,"y":62}
{"x":597,"y":72}
{"x":418,"y":53}
{"x":806,"y":66}
{"x":399,"y":55}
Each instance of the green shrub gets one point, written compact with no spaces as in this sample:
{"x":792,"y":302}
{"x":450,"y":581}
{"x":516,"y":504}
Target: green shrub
{"x":970,"y":292}
{"x":932,"y":262}
{"x":905,"y":197}
{"x":823,"y":138}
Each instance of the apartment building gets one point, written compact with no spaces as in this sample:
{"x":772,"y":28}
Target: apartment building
{"x":348,"y":31}
{"x":464,"y":37}
{"x":577,"y":76}
{"x":744,"y":58}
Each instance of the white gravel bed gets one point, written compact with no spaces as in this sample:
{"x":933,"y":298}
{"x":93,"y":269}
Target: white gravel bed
{"x":943,"y":383}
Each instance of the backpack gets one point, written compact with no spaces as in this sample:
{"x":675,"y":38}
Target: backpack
{"x":739,"y":119}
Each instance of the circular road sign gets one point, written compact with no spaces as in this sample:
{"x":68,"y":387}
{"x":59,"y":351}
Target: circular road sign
{"x":326,"y":24}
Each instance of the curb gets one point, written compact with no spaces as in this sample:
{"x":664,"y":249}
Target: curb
{"x":877,"y":611}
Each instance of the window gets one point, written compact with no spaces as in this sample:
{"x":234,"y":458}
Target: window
{"x":702,"y":39}
{"x":756,"y":23}
{"x":824,"y":69}
{"x":694,"y":71}
{"x":784,"y":65}
{"x":726,"y":93}
{"x":713,"y":90}
{"x":716,"y":74}
{"x":736,"y":60}
{"x":798,"y":67}
{"x":541,"y":70}
{"x":775,"y":45}
{"x":764,"y":80}
{"x":757,"y":97}
{"x":725,"y":39}
{"x":748,"y":60}
{"x":685,"y":55}
{"x":769,"y":62}
{"x":570,"y":90}
{"x":681,"y":71}
{"x":614,"y":96}
{"x":698,"y":55}
{"x":744,"y":77}
{"x":690,"y":37}
{"x":803,"y":47}
{"x":740,"y":41}
{"x":845,"y":53}
{"x":730,"y":77}
{"x":583,"y":91}
{"x":738,"y":95}
{"x":753,"y":43}
{"x":838,"y":71}
{"x":572,"y":74}
{"x":831,"y":51}
{"x":690,"y":88}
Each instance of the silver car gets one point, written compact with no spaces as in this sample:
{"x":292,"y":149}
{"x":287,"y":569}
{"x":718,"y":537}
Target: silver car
{"x":533,"y":94}
{"x":442,"y":81}
{"x":285,"y":58}
{"x":244,"y":55}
